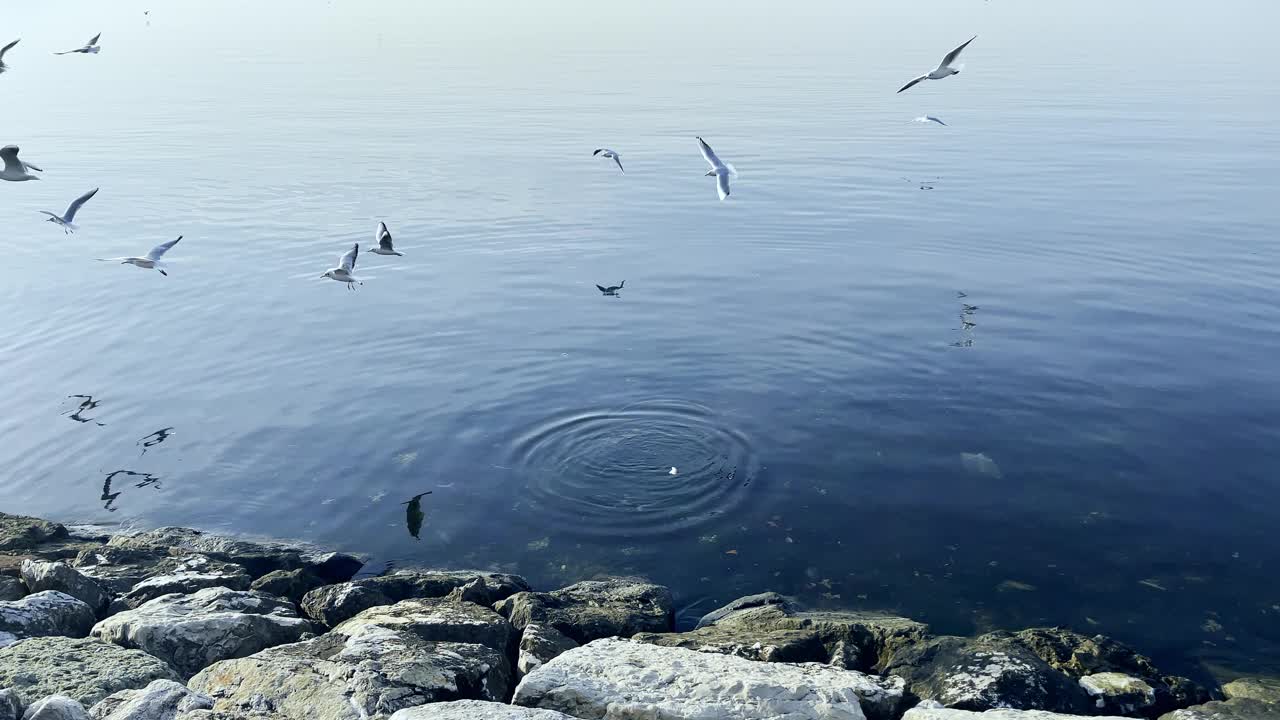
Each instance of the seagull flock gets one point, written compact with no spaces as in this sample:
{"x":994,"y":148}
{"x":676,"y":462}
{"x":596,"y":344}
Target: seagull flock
{"x":16,"y":170}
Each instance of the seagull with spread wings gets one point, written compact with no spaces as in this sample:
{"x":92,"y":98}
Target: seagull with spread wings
{"x":944,"y":68}
{"x":90,"y":47}
{"x":67,"y":218}
{"x":4,"y":50}
{"x":152,"y":259}
{"x":346,"y":268}
{"x":383,"y":237}
{"x":721,"y":170}
{"x":15,"y":170}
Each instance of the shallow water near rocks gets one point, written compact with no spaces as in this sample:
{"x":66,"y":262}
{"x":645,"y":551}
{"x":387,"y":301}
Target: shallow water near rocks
{"x":1042,"y":391}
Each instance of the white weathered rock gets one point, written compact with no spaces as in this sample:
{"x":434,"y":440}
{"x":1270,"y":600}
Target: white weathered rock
{"x":191,"y":632}
{"x":188,"y":575}
{"x":83,"y":669}
{"x":10,"y":705}
{"x":46,"y":613}
{"x":538,"y":644}
{"x":1118,"y":693}
{"x":477,"y":710}
{"x":161,"y":700}
{"x":40,"y":575}
{"x":625,"y":680}
{"x":56,"y":707}
{"x":364,"y":676}
{"x":931,"y":711}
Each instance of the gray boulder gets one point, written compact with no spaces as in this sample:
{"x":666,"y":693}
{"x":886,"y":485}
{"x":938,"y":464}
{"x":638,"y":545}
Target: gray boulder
{"x":333,"y":604}
{"x":7,"y":639}
{"x":1248,"y":698}
{"x":437,"y":620}
{"x":46,"y":613}
{"x":983,"y":673}
{"x":41,"y":575}
{"x":258,"y":557}
{"x":186,"y":575}
{"x":617,"y":678}
{"x":56,"y":707}
{"x":928,"y":711}
{"x":1264,"y":689}
{"x":586,"y":611}
{"x":11,"y":588}
{"x":539,"y":644}
{"x":18,"y":532}
{"x":1078,"y":655}
{"x":476,"y":710}
{"x":771,"y":628}
{"x":83,"y":669}
{"x":191,"y":632}
{"x":367,"y":675}
{"x":291,"y":584}
{"x":10,"y":705}
{"x":1119,"y":694}
{"x":161,"y":700}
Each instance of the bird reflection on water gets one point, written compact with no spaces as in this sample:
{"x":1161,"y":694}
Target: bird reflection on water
{"x":87,"y":403}
{"x":155,"y":438}
{"x":109,"y":497}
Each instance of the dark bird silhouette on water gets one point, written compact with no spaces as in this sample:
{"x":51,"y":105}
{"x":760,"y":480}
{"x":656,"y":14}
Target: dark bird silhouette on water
{"x":154,"y":439}
{"x":612,"y":289}
{"x":87,"y":403}
{"x":413,"y":515}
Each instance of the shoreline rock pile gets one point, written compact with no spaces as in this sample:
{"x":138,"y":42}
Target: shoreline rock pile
{"x":175,"y":624}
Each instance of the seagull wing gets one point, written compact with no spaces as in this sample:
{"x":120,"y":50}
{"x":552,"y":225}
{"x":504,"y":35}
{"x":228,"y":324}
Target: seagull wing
{"x":8,"y":47}
{"x":158,"y":251}
{"x":348,"y":261}
{"x":913,"y":82}
{"x":934,"y":119}
{"x":951,"y":56}
{"x":619,"y":161}
{"x":94,"y":40}
{"x":722,"y":184}
{"x":710,"y":155}
{"x":602,"y":288}
{"x":75,"y":205}
{"x":598,"y":151}
{"x":384,"y":237}
{"x":10,"y":155}
{"x":29,"y":166}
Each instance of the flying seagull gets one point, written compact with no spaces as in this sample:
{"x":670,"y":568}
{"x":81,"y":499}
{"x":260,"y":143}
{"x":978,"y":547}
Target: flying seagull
{"x":346,"y":266}
{"x":4,"y":50}
{"x":66,"y":219}
{"x":721,"y":170}
{"x":944,"y":68}
{"x":89,"y":47}
{"x":928,"y":119}
{"x":151,"y":261}
{"x":383,"y":238}
{"x":14,"y":169}
{"x":609,"y":154}
{"x":612,"y":289}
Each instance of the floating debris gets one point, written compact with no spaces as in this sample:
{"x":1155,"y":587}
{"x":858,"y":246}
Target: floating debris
{"x":980,"y":464}
{"x":709,"y":538}
{"x":405,"y":459}
{"x":1211,"y":626}
{"x":1154,"y":584}
{"x":673,"y":471}
{"x":730,"y":552}
{"x":541,"y":544}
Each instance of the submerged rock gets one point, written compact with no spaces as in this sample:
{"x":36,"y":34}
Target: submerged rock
{"x":476,"y":710}
{"x":18,"y":532}
{"x":257,"y":557}
{"x":333,"y":604}
{"x":56,"y":707}
{"x":539,"y":644}
{"x":586,"y":611}
{"x":41,"y":575}
{"x":626,"y":679}
{"x":193,"y":631}
{"x":46,"y":613}
{"x":80,"y":668}
{"x":1263,"y":689}
{"x":1250,"y":698}
{"x":161,"y":700}
{"x":772,"y":628}
{"x":983,"y":673}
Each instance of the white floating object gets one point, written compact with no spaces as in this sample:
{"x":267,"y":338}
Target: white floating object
{"x":673,"y":471}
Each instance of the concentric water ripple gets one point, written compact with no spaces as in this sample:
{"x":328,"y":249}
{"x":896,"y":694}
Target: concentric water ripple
{"x":606,"y":472}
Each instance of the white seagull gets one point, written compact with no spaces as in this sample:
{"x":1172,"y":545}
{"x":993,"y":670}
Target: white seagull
{"x":928,"y":119}
{"x":151,"y":261}
{"x":65,"y":220}
{"x":721,"y":170}
{"x":89,"y":47}
{"x":14,"y":169}
{"x":383,"y":237}
{"x":4,"y":50}
{"x":609,"y":154}
{"x":346,"y":266}
{"x":673,"y":471}
{"x":944,"y":68}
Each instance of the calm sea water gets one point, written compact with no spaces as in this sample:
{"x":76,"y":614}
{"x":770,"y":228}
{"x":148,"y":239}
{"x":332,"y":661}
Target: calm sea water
{"x":1044,"y":391}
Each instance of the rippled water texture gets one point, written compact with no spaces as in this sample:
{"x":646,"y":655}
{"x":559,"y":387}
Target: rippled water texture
{"x":1015,"y":370}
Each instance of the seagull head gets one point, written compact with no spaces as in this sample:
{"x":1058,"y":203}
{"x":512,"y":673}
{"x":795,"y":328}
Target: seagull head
{"x":327,"y":274}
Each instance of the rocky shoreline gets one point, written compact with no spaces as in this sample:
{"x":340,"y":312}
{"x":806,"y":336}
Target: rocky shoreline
{"x":175,"y":624}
